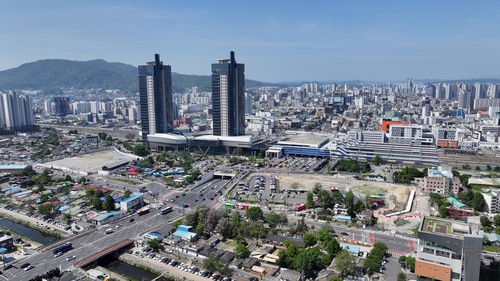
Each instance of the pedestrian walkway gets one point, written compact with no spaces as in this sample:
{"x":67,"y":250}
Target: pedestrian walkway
{"x":396,"y":254}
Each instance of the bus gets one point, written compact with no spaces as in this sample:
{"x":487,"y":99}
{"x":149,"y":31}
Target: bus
{"x":62,"y":249}
{"x":300,"y":207}
{"x":166,"y":210}
{"x":142,"y":212}
{"x":229,"y":206}
{"x":243,"y":206}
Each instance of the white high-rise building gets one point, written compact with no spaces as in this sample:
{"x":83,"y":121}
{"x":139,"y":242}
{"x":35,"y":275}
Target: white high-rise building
{"x":16,"y":111}
{"x":95,"y":106}
{"x":494,"y":91}
{"x":480,"y":90}
{"x":248,"y":103}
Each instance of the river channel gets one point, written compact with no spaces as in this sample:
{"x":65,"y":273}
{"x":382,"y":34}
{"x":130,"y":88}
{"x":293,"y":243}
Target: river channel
{"x":30,"y":233}
{"x":128,"y":270}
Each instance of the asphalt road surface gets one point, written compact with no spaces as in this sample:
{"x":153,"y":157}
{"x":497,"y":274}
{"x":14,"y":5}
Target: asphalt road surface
{"x":87,"y":245}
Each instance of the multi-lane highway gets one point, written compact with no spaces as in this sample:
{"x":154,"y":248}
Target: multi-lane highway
{"x":87,"y":245}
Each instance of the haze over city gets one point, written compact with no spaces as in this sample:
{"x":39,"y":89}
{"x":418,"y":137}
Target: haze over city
{"x":278,"y":41}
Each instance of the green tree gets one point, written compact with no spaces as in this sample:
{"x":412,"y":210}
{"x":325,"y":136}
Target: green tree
{"x":254,"y":214}
{"x":225,"y":227}
{"x":349,"y":199}
{"x":140,"y":150}
{"x":68,"y":178}
{"x":310,"y":200}
{"x":239,"y":239}
{"x":155,"y":244}
{"x":401,"y":277}
{"x":443,"y":210}
{"x":44,"y":198}
{"x":109,"y":203}
{"x":211,"y":263}
{"x":307,"y":260}
{"x":485,"y":221}
{"x":45,"y":209}
{"x":199,"y":229}
{"x":496,"y":221}
{"x":478,"y":202}
{"x":333,"y":247}
{"x":90,"y":191}
{"x":272,"y":219}
{"x":335,"y":278}
{"x":317,"y":188}
{"x":323,"y":235}
{"x":301,"y":227}
{"x":102,"y":135}
{"x":309,"y":239}
{"x":496,"y":169}
{"x":241,"y":251}
{"x":82,"y":180}
{"x":195,"y":173}
{"x":377,"y":160}
{"x":345,"y":262}
{"x":325,"y":200}
{"x":127,"y":194}
{"x":96,"y":203}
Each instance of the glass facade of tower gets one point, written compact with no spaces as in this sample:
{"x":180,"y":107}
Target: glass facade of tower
{"x":155,"y":93}
{"x":228,"y":97}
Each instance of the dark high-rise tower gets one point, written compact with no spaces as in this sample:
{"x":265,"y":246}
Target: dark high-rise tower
{"x":155,"y":93}
{"x":228,"y":97}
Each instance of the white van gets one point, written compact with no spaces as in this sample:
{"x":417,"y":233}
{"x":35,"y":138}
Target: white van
{"x":109,"y":231}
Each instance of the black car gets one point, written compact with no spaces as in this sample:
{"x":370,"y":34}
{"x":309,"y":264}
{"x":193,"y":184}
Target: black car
{"x":344,"y":233}
{"x":132,"y":220}
{"x":25,"y":265}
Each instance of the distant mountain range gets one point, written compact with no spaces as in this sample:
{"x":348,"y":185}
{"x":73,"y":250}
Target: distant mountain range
{"x":52,"y":74}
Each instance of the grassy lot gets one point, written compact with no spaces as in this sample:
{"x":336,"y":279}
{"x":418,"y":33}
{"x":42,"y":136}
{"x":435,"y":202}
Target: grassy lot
{"x":367,"y":189}
{"x":491,"y":248}
{"x":127,"y":181}
{"x":479,"y":187}
{"x":229,"y":245}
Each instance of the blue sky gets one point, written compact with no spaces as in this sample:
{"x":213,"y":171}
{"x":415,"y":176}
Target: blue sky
{"x":277,"y":40}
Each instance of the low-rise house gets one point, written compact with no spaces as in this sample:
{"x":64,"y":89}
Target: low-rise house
{"x":289,"y":275}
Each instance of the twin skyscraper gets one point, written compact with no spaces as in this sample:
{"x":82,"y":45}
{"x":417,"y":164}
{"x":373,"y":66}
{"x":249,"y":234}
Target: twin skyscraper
{"x":228,"y":98}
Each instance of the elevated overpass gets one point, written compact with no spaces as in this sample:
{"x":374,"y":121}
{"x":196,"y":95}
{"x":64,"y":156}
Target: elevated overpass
{"x":94,"y":257}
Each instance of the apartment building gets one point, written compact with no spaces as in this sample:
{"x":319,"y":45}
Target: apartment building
{"x":448,"y":250}
{"x":492,"y":202}
{"x":442,"y":181}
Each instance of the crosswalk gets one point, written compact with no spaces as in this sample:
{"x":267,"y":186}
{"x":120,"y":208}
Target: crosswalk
{"x":396,"y":254}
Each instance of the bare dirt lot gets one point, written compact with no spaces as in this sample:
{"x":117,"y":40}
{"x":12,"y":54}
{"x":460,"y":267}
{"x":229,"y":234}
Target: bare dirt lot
{"x":307,"y":182}
{"x":91,"y":162}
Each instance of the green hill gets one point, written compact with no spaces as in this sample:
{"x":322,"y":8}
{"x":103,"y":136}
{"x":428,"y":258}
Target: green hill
{"x":56,"y":73}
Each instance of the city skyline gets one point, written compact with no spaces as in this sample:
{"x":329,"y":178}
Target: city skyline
{"x":283,"y":42}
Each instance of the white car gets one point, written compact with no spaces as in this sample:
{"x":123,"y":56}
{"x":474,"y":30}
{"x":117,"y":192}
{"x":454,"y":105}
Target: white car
{"x":169,"y":251}
{"x":70,"y":258}
{"x":58,"y":255}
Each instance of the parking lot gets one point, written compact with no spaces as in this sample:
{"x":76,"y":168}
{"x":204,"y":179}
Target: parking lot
{"x":264,"y":189}
{"x":295,"y":164}
{"x":146,"y":253}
